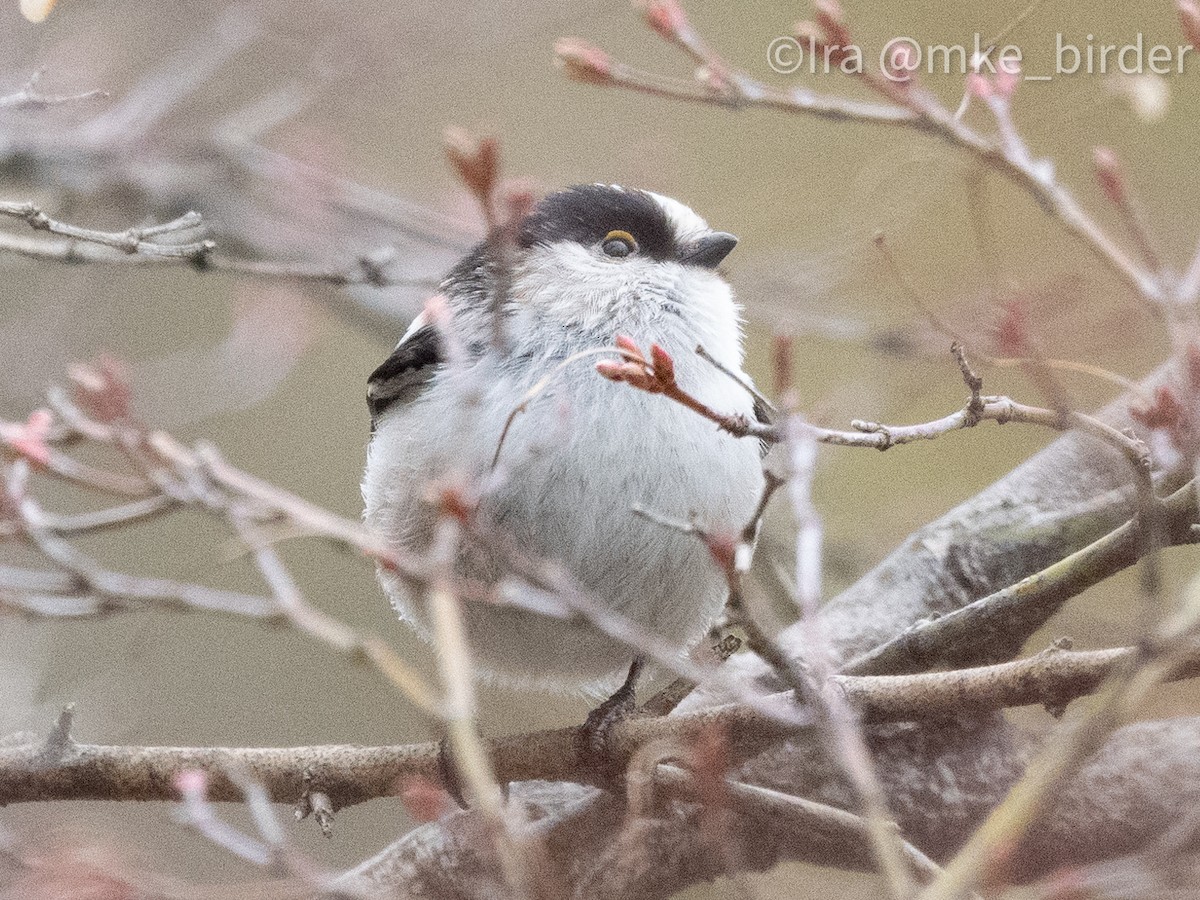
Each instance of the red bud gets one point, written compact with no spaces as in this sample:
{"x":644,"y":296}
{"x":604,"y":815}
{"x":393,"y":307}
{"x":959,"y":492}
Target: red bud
{"x":424,"y":800}
{"x":476,"y":160}
{"x":1109,"y":175}
{"x":1012,"y":332}
{"x":664,"y":366}
{"x":455,"y":503}
{"x":782,"y":363}
{"x":101,"y":389}
{"x":723,"y":549}
{"x":832,"y":22}
{"x":1192,"y":356}
{"x":1165,"y":412}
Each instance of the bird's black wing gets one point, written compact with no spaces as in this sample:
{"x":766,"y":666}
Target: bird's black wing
{"x":419,"y":355}
{"x":402,"y":375}
{"x":762,"y":415}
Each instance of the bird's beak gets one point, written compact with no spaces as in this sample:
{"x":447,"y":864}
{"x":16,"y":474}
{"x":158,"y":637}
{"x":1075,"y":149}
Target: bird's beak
{"x":709,"y":250}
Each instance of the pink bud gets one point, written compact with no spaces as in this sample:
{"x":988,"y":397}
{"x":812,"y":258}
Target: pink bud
{"x":832,"y":22}
{"x":437,"y":310}
{"x":29,"y":438}
{"x":613,"y":371}
{"x":518,"y":204}
{"x":809,"y":34}
{"x":1008,"y":77}
{"x":192,"y":783}
{"x":666,"y":17}
{"x":979,"y":86}
{"x":629,"y":345}
{"x":1165,"y":412}
{"x":1012,"y":333}
{"x":583,"y":61}
{"x":1189,"y":21}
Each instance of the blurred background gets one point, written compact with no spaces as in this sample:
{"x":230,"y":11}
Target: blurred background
{"x":355,"y":96}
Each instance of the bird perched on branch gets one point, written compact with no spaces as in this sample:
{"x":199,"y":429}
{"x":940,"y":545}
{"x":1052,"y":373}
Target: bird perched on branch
{"x":495,"y":385}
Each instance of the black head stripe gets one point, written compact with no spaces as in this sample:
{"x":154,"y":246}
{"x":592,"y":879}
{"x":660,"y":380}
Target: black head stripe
{"x":586,"y":213}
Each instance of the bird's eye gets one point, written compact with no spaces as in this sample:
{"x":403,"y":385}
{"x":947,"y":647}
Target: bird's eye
{"x":618,"y":244}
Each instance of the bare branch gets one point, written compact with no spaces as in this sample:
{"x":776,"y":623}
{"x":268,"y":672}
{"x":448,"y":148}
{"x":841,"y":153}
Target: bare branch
{"x":351,"y":774}
{"x":131,"y":241}
{"x":995,"y":627}
{"x":657,"y":376}
{"x":910,"y":105}
{"x":799,"y":813}
{"x":29,"y":97}
{"x":141,"y":246}
{"x":583,"y":62}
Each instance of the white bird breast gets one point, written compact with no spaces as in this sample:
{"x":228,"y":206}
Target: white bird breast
{"x":573,"y":466}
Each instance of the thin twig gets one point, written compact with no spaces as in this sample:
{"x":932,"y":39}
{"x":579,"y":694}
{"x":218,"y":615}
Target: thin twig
{"x":909,"y":105}
{"x":800,"y":814}
{"x":29,"y":97}
{"x":140,"y":246}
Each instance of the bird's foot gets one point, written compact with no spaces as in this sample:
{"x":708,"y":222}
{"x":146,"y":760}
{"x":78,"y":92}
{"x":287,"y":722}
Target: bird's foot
{"x":594,"y":736}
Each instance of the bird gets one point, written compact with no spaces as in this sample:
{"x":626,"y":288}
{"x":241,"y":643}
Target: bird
{"x":496,"y":385}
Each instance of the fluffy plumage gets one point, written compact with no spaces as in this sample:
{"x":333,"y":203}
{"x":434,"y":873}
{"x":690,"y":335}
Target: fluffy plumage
{"x":586,"y":450}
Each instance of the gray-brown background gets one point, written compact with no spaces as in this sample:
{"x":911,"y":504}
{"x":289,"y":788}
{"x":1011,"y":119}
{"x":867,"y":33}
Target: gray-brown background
{"x":380,"y":83}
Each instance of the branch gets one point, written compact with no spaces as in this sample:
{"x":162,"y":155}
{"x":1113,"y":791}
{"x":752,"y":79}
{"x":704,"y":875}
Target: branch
{"x":132,"y":241}
{"x":942,"y":779}
{"x":910,"y":105}
{"x":171,"y":474}
{"x":29,"y":97}
{"x":348,"y":775}
{"x":1160,"y":653}
{"x":588,"y":64}
{"x":807,"y":819}
{"x":656,"y":375}
{"x":996,"y":626}
{"x":142,"y":246}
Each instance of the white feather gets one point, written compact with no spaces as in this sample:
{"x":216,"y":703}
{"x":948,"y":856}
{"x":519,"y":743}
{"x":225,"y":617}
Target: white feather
{"x":580,"y":457}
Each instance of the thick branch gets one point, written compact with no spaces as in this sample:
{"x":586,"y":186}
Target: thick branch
{"x":941,"y":780}
{"x":996,"y":626}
